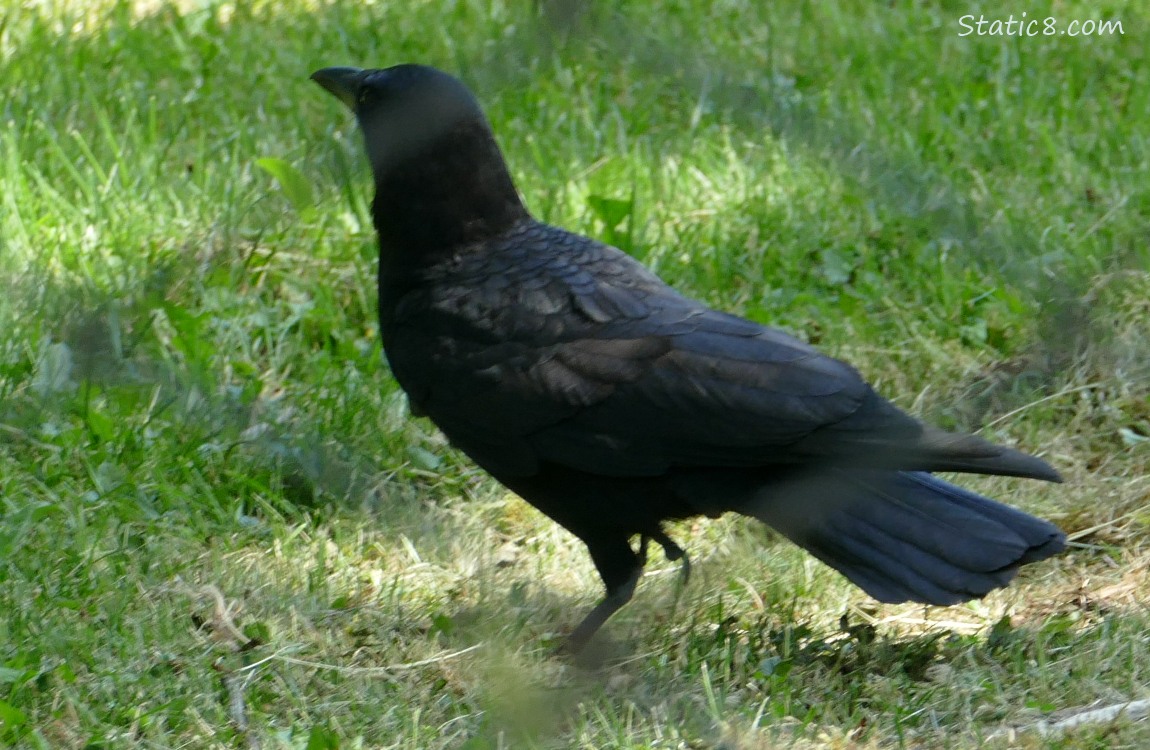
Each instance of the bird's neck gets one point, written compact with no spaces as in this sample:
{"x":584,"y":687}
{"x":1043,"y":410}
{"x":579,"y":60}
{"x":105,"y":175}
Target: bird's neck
{"x":440,"y":199}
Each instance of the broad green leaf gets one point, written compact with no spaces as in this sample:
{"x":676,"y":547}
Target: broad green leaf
{"x":292,"y":182}
{"x":322,"y":738}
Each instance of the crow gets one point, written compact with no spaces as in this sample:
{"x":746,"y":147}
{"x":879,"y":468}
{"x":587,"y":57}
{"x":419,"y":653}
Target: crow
{"x":612,"y":403}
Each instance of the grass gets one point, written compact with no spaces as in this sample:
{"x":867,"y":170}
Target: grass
{"x":221,"y":527}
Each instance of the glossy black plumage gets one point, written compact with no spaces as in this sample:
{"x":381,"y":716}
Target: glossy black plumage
{"x":612,"y":403}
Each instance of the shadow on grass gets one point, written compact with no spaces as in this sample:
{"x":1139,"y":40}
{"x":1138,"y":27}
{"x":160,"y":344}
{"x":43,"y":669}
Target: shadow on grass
{"x":779,"y":668}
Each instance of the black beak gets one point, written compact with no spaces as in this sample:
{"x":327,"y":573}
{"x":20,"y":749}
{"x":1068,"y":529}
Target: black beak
{"x":343,"y":83}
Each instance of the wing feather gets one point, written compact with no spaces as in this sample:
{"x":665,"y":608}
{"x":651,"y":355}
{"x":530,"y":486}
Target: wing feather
{"x":586,"y":359}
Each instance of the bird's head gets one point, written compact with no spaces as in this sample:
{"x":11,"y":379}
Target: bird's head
{"x":439,"y":175}
{"x":403,"y":110}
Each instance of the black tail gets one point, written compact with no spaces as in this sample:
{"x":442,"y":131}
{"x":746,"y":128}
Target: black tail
{"x":907,"y":536}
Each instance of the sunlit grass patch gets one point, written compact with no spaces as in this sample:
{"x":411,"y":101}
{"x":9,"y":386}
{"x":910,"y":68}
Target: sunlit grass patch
{"x":221,"y":525}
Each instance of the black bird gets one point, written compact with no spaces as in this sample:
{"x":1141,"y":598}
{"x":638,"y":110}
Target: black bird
{"x":612,"y":403}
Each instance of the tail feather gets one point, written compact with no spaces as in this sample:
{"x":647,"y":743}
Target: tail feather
{"x":908,"y":536}
{"x":952,"y":451}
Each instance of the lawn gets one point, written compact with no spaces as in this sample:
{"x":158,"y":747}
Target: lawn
{"x":222,"y":528}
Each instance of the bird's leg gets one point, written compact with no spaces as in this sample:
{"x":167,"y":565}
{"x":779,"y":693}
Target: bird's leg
{"x":674,"y":552}
{"x":619,"y":567}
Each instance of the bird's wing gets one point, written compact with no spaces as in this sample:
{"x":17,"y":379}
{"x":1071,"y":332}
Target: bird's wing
{"x":580,"y":356}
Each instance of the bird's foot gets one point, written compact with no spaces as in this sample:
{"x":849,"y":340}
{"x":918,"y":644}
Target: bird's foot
{"x":674,"y":552}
